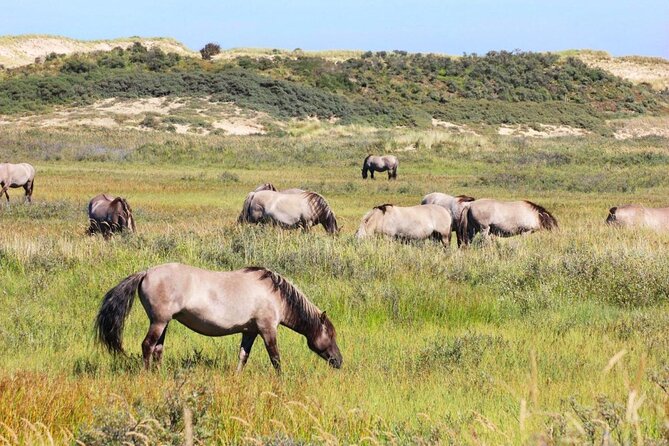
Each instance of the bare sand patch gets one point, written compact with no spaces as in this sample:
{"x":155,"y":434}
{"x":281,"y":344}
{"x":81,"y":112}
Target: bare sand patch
{"x":546,"y":131}
{"x":458,"y":128}
{"x":641,"y":127}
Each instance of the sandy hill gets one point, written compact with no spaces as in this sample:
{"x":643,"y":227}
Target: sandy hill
{"x":23,"y":50}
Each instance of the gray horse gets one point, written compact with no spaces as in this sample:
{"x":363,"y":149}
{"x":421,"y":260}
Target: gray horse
{"x":635,"y":215}
{"x":380,"y":164}
{"x":17,"y":175}
{"x":502,"y":218}
{"x":454,"y":205}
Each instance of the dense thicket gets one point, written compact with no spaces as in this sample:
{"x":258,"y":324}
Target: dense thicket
{"x":384,"y":88}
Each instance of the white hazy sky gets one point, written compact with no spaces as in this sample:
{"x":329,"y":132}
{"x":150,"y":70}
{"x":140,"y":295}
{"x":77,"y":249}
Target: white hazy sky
{"x":621,"y":27}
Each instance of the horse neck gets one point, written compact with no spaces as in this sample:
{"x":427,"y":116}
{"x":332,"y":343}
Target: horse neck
{"x":301,"y":316}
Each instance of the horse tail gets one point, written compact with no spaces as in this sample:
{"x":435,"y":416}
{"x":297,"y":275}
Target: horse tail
{"x":546,"y":219}
{"x":245,"y":215}
{"x":462,"y":227}
{"x":116,"y":306}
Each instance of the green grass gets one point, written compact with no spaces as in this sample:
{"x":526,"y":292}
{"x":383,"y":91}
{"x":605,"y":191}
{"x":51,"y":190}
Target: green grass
{"x":504,"y":343}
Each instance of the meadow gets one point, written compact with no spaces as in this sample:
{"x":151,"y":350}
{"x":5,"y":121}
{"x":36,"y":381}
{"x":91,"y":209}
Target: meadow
{"x":555,"y":337}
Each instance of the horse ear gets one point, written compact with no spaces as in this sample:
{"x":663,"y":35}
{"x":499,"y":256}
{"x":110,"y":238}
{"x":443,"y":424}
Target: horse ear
{"x":323,"y":317}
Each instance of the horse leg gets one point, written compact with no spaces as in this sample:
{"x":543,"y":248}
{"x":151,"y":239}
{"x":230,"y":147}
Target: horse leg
{"x":28,"y":187}
{"x":4,"y":191}
{"x":269,"y":336}
{"x":371,"y":173}
{"x":245,"y":349}
{"x":158,"y":350}
{"x":156,"y":330}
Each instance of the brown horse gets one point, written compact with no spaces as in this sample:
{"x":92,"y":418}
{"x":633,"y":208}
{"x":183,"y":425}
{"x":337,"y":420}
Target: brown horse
{"x":17,"y":175}
{"x":502,"y":218}
{"x":252,"y":301}
{"x":108,"y":215}
{"x":292,"y":209}
{"x":383,"y":163}
{"x":454,"y":205}
{"x":635,"y":215}
{"x":408,"y":223}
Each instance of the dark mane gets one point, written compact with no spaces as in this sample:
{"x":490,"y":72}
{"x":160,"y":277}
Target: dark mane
{"x":305,"y":315}
{"x":384,"y":207}
{"x":464,"y":198}
{"x":321,"y":211}
{"x":266,"y":186}
{"x":546,"y":219}
{"x":365,"y":161}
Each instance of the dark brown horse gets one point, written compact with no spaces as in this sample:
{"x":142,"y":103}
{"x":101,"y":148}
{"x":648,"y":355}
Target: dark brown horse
{"x":252,"y":301}
{"x":108,"y":215}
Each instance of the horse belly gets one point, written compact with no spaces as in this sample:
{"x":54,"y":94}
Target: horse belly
{"x":219,"y":326}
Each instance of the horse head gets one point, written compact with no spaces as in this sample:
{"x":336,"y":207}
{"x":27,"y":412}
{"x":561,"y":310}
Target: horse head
{"x":323,"y":342}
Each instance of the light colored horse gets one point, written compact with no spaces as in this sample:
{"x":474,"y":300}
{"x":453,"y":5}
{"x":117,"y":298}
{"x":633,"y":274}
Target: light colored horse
{"x":252,"y":301}
{"x":380,"y":164}
{"x":454,"y":205}
{"x":293,"y":209}
{"x":502,"y":218}
{"x":17,"y":175}
{"x":408,"y":223}
{"x":635,"y":215}
{"x":110,"y":214}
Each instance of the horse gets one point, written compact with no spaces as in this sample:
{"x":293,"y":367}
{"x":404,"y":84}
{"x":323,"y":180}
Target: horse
{"x":454,"y":205}
{"x":293,"y":209}
{"x":635,"y":215}
{"x":408,"y":223}
{"x":502,"y":218}
{"x":380,"y":164}
{"x":108,"y":215}
{"x":17,"y":175}
{"x":252,"y":301}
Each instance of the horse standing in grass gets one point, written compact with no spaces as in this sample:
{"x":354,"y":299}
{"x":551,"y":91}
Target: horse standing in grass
{"x":454,"y":205}
{"x":292,"y":209}
{"x":380,"y":164}
{"x":635,"y":215}
{"x":108,"y":215}
{"x":17,"y":175}
{"x":252,"y":301}
{"x":502,"y":218}
{"x":408,"y":223}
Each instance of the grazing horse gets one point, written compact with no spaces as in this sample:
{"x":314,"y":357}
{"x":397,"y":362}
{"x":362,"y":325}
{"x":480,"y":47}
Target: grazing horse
{"x":380,"y":164}
{"x":454,"y":205}
{"x":635,"y":215}
{"x":107,"y":215}
{"x":252,"y":301}
{"x":17,"y":175}
{"x":502,"y":218}
{"x":408,"y":223}
{"x":293,"y":209}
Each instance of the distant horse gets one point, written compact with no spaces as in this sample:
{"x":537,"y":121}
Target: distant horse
{"x":454,"y":205}
{"x":635,"y":215}
{"x":298,"y":209}
{"x":408,"y":223}
{"x":502,"y":218}
{"x":380,"y":164}
{"x":17,"y":175}
{"x":108,"y":215}
{"x":252,"y":301}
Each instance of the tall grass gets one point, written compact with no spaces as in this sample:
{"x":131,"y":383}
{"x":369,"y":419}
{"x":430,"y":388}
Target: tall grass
{"x":554,"y":337}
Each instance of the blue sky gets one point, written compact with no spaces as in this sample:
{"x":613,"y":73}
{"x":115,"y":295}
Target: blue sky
{"x":621,"y":27}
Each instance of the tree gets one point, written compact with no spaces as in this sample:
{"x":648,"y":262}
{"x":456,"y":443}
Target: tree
{"x":210,"y":50}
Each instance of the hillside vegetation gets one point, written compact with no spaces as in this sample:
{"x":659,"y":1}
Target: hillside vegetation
{"x":381,"y":88}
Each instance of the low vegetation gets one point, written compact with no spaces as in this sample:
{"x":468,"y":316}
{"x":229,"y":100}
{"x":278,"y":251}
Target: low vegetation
{"x":383,"y":88}
{"x":557,"y":337}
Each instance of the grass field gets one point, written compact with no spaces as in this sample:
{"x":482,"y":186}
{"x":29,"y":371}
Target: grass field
{"x":550,"y":338}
